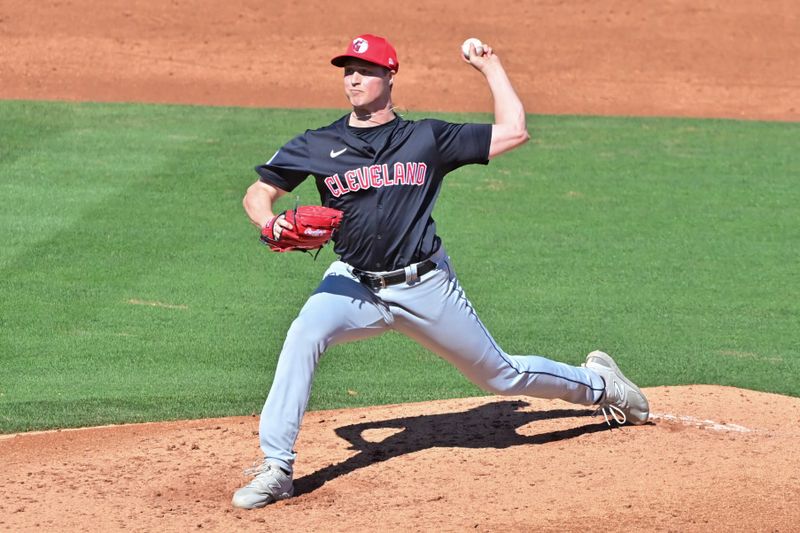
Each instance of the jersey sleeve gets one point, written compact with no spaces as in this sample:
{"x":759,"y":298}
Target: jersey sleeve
{"x":462,"y":144}
{"x":288,"y":168}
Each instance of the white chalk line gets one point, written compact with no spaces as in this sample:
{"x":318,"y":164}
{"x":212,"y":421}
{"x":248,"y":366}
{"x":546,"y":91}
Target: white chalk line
{"x":701,"y":423}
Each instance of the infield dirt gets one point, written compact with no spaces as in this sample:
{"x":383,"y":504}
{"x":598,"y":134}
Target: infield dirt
{"x":713,"y":458}
{"x":709,"y":58}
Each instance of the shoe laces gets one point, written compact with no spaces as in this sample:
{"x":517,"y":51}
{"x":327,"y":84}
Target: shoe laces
{"x":609,"y":409}
{"x":615,"y":412}
{"x":259,"y":467}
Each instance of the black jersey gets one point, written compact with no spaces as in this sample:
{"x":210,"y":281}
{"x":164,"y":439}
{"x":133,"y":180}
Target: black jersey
{"x":385,"y":181}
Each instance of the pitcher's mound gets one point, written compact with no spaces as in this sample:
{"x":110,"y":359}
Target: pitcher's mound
{"x":713,"y":459}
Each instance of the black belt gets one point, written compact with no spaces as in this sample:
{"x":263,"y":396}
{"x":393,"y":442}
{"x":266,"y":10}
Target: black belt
{"x":380,"y":281}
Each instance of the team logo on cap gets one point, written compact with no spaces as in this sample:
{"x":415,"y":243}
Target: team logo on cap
{"x":360,"y":45}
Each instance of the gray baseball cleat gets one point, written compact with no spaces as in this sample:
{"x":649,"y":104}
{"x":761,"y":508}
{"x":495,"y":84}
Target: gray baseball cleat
{"x":271,"y":484}
{"x":622,"y":399}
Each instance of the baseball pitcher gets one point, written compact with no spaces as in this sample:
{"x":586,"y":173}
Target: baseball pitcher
{"x":379,"y":176}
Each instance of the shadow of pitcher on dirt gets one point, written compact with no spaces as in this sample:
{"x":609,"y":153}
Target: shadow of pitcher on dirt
{"x":491,"y":425}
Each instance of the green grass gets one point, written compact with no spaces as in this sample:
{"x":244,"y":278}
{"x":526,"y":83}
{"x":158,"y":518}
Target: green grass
{"x":133,"y":287}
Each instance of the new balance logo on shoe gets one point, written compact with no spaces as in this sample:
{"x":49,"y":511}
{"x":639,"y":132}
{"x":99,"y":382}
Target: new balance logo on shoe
{"x":272,"y":483}
{"x":622,"y":399}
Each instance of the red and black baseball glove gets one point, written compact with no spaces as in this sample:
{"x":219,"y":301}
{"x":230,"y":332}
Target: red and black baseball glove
{"x":313,"y":228}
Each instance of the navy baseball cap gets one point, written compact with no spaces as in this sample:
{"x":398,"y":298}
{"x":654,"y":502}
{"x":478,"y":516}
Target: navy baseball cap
{"x":370,"y":48}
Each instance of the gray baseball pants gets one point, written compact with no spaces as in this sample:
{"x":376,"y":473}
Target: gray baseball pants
{"x":435,"y":312}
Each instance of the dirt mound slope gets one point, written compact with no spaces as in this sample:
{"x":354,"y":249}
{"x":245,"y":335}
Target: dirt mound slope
{"x":713,"y":459}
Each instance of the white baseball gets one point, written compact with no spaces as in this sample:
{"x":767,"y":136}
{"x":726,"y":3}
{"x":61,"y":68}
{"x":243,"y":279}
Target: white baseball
{"x":472,"y":41}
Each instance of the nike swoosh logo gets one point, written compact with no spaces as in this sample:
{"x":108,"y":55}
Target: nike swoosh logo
{"x":340,"y":152}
